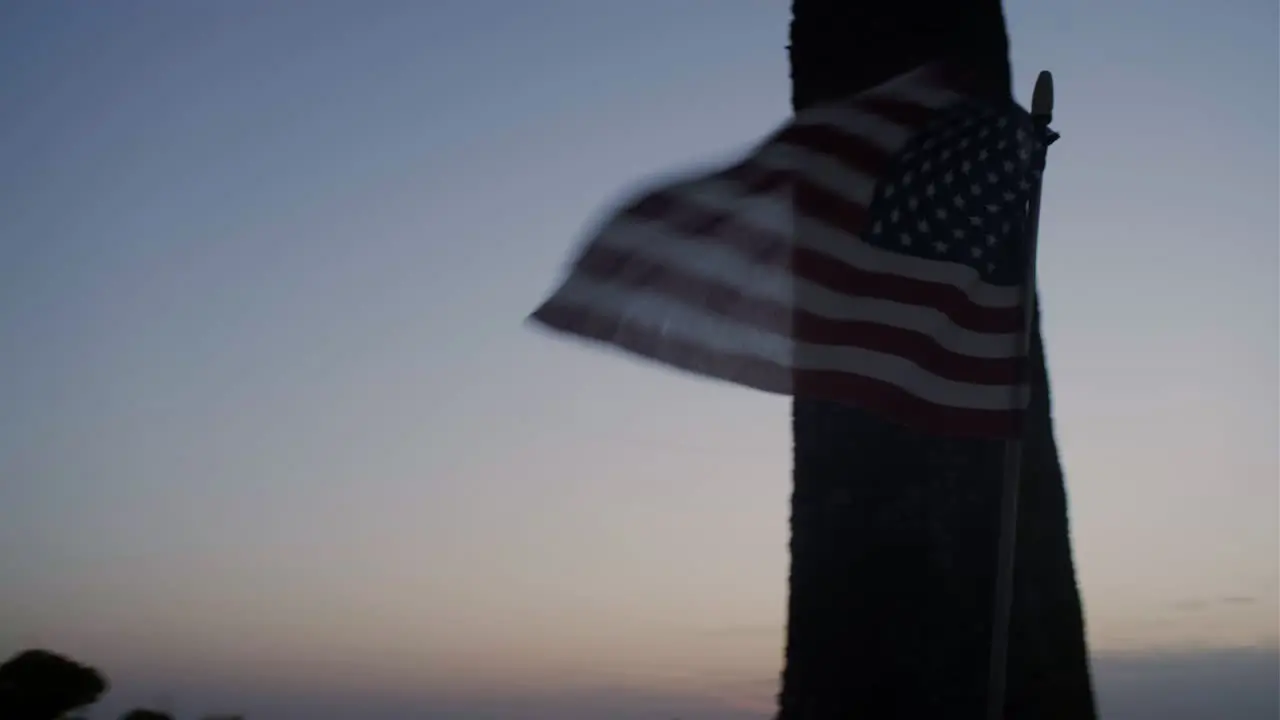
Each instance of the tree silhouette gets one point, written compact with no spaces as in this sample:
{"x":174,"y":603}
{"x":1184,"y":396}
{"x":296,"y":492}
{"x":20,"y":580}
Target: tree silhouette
{"x":42,"y":685}
{"x":893,"y":533}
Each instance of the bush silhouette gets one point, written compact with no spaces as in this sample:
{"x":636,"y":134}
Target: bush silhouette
{"x":143,"y":714}
{"x":42,"y":685}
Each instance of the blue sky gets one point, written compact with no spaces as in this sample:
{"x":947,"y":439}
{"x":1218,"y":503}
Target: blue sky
{"x":271,"y":420}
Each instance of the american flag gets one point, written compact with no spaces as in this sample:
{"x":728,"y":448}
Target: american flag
{"x":870,"y":252}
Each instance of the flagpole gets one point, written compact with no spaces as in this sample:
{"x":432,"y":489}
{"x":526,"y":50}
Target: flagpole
{"x":1041,"y":116}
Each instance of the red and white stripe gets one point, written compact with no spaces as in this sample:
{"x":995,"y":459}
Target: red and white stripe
{"x":758,"y":275}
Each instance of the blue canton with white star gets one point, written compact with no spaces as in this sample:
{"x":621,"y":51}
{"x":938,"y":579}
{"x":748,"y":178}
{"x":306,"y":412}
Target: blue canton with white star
{"x":959,"y":191}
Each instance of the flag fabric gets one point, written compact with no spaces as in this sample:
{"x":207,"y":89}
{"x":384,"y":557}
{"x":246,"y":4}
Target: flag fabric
{"x":870,"y":252}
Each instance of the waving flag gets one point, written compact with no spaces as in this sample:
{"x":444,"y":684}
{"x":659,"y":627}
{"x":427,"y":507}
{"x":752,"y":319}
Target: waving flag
{"x":869,"y":252}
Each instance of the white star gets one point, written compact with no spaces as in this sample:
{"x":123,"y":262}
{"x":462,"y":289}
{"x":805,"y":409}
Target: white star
{"x":992,"y":207}
{"x":929,"y":190}
{"x":912,"y":202}
{"x":1008,"y":166}
{"x":940,"y":246}
{"x":991,"y":267}
{"x":906,"y":178}
{"x":965,"y":167}
{"x":958,"y":201}
{"x":922,"y":226}
{"x":948,"y":177}
{"x":1009,"y":197}
{"x":893,"y":216}
{"x":957,"y":233}
{"x":905,"y":239}
{"x":877,"y":228}
{"x":976,"y":251}
{"x":941,"y":213}
{"x":982,"y":154}
{"x":991,"y":240}
{"x":992,"y":178}
{"x":889,"y":190}
{"x":976,"y":189}
{"x":975,"y":220}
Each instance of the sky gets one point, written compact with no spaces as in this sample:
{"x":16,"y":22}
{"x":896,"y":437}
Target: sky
{"x":274,"y":436}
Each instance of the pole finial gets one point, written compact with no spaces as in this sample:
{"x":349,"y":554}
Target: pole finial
{"x":1042,"y":96}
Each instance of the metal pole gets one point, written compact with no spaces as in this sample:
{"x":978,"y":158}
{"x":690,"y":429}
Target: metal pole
{"x":1041,"y":115}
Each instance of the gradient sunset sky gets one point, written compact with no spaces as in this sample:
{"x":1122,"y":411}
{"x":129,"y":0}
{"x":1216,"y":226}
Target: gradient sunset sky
{"x":273,"y":435}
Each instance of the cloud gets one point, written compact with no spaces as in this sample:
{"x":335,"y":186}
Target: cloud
{"x":1239,"y":684}
{"x":1198,"y":605}
{"x":744,"y":630}
{"x":1185,"y":685}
